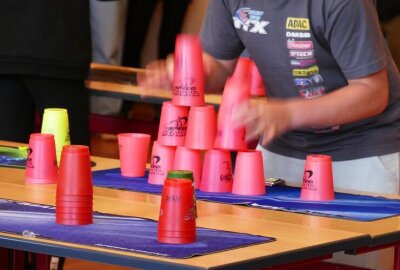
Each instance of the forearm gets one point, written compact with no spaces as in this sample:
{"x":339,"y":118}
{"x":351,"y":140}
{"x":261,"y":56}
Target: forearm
{"x":216,"y":72}
{"x":360,"y":99}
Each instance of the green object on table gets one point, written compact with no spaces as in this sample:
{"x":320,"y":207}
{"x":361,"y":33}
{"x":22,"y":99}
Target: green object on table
{"x":14,"y":152}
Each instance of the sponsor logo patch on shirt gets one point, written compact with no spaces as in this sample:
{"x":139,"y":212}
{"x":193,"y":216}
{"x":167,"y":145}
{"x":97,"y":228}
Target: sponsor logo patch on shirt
{"x":297,"y":23}
{"x":249,"y":20}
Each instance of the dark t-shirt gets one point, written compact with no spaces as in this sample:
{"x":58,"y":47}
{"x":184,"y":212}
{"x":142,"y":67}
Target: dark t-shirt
{"x":308,"y":48}
{"x":45,"y":37}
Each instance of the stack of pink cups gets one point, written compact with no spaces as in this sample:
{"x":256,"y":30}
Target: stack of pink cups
{"x":74,"y":197}
{"x":187,"y":125}
{"x":236,"y":91}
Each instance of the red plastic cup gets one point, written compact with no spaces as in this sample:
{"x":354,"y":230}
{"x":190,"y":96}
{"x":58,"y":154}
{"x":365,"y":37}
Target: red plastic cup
{"x":257,"y":88}
{"x":74,"y":182}
{"x":217,"y":172}
{"x":72,"y":198}
{"x":318,"y":179}
{"x":190,"y":160}
{"x":133,"y":151}
{"x":236,"y":91}
{"x":73,"y":222}
{"x":75,"y":176}
{"x":177,"y":220}
{"x":249,"y":174}
{"x":82,"y":205}
{"x":188,"y":86}
{"x":41,"y":164}
{"x":173,"y":124}
{"x":201,"y":129}
{"x":74,"y":210}
{"x":162,"y":160}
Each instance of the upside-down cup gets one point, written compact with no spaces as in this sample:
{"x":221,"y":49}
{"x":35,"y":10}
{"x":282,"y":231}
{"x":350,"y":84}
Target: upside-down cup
{"x":55,"y":121}
{"x":236,"y":91}
{"x":41,"y":163}
{"x":74,"y":194}
{"x":190,"y":160}
{"x":162,"y":160}
{"x":217,"y":172}
{"x":257,"y":88}
{"x":188,"y":85}
{"x":248,"y":178}
{"x":202,"y":127}
{"x":177,"y":219}
{"x":173,"y":124}
{"x":133,"y":151}
{"x":318,"y":179}
{"x":75,"y":175}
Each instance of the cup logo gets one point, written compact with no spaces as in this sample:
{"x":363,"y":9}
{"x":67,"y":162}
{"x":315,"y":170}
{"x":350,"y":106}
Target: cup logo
{"x":155,"y":167}
{"x":185,"y":88}
{"x":29,"y":163}
{"x":191,"y":213}
{"x":308,"y":183}
{"x":227,"y":175}
{"x":176,"y":128}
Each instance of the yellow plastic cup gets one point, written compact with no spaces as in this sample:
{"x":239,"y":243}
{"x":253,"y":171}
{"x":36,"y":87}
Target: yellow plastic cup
{"x":55,"y":121}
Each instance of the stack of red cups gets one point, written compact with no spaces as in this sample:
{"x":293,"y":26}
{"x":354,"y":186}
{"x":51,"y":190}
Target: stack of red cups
{"x":74,"y":197}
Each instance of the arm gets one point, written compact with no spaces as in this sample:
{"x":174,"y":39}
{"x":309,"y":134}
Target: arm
{"x":160,"y":74}
{"x":360,"y":99}
{"x":216,"y":72}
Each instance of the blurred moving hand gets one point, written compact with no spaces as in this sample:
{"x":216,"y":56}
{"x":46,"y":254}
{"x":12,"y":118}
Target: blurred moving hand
{"x":266,"y":118}
{"x":158,"y":76}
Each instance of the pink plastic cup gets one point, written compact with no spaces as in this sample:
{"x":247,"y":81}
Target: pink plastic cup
{"x":257,"y":88}
{"x":133,"y":151}
{"x":318,"y":179}
{"x":190,"y":160}
{"x":41,"y":164}
{"x":173,"y":124}
{"x":162,"y":160}
{"x":249,"y":174}
{"x":217,"y":172}
{"x":188,"y":86}
{"x":236,"y":91}
{"x":201,"y":128}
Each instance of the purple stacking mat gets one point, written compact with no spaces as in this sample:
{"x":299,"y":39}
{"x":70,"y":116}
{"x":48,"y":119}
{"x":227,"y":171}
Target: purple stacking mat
{"x":115,"y":232}
{"x":345,"y":206}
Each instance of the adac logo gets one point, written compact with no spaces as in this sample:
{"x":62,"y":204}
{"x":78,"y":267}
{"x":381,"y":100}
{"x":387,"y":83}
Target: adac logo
{"x":249,"y":20}
{"x":297,"y":23}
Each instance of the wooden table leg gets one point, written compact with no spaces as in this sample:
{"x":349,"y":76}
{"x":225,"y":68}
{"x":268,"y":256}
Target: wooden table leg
{"x":4,"y":258}
{"x":396,"y":262}
{"x":19,"y":260}
{"x":43,"y":262}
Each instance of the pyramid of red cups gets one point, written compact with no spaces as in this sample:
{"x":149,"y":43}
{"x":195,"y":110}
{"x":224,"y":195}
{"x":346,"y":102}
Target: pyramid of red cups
{"x":193,"y":137}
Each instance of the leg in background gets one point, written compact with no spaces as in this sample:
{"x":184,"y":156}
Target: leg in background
{"x":17,"y":111}
{"x":139,"y":13}
{"x":174,"y":12}
{"x":64,"y":93}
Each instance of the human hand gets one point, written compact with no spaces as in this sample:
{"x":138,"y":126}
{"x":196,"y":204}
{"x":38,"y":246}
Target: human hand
{"x":269,"y":118}
{"x":159,"y":74}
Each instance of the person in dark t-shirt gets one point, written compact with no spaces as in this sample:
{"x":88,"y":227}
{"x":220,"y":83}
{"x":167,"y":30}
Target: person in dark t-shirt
{"x":331,"y":83}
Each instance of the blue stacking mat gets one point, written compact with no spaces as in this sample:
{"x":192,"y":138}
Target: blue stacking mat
{"x":124,"y":233}
{"x":284,"y":198}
